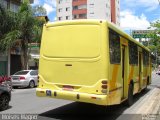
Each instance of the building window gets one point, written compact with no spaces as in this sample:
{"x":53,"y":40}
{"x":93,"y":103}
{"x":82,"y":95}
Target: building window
{"x":91,"y":5}
{"x":82,"y":15}
{"x":59,"y":18}
{"x":145,"y":58}
{"x":114,"y":46}
{"x":60,"y":1}
{"x":75,"y":7}
{"x":106,"y":5}
{"x":75,"y":17}
{"x":67,"y":17}
{"x":67,"y":1}
{"x":133,"y":53}
{"x":60,"y":10}
{"x":80,"y":7}
{"x":68,"y":9}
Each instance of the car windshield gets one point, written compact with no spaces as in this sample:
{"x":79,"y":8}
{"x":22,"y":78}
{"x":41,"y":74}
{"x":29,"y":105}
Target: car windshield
{"x":21,"y":73}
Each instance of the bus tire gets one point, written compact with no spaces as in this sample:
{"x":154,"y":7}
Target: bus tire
{"x":130,"y":95}
{"x":147,"y":83}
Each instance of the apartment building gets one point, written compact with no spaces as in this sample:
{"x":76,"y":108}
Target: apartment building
{"x":89,"y":9}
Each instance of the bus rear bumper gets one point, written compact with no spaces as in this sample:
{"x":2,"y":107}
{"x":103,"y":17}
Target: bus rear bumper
{"x":75,"y":96}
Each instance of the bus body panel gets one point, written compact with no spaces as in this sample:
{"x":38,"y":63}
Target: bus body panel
{"x":75,"y":64}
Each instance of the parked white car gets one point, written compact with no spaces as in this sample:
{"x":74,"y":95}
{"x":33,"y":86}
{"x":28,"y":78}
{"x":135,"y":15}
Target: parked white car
{"x":25,"y":78}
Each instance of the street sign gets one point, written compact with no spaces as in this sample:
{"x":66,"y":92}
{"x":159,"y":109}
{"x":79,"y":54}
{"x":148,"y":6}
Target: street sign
{"x":140,"y":33}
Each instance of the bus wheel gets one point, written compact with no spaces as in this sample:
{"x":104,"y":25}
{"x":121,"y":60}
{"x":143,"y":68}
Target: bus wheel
{"x":147,"y":83}
{"x":130,"y":95}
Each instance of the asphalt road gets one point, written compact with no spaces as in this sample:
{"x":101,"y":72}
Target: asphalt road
{"x":24,"y":101}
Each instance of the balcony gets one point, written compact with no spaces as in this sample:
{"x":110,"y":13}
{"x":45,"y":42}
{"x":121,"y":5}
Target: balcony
{"x":79,"y":11}
{"x":79,"y":2}
{"x":80,"y":16}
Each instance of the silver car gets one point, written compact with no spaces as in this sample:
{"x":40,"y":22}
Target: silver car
{"x":25,"y":78}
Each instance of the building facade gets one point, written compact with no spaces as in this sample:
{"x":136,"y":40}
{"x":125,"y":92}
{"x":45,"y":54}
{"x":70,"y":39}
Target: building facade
{"x":89,"y":9}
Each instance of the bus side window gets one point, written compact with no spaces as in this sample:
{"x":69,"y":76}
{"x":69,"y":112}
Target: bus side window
{"x":145,"y":58}
{"x":133,"y":53}
{"x":114,"y":47}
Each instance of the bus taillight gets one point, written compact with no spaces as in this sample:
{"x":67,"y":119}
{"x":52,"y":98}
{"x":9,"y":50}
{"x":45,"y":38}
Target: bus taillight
{"x":104,"y":86}
{"x":104,"y":82}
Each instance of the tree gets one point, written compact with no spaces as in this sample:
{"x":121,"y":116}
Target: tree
{"x":154,"y":35}
{"x":26,"y":27}
{"x":154,"y":42}
{"x":8,"y":32}
{"x":22,"y":27}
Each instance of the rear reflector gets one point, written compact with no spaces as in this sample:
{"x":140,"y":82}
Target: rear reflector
{"x":104,"y":86}
{"x":104,"y":91}
{"x":104,"y":82}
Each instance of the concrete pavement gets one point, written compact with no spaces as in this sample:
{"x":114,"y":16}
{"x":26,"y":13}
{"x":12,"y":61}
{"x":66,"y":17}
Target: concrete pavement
{"x":147,"y":103}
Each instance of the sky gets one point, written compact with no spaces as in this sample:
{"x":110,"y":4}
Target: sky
{"x":134,"y":14}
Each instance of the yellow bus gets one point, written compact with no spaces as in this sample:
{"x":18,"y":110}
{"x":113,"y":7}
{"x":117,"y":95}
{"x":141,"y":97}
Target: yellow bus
{"x":91,"y":61}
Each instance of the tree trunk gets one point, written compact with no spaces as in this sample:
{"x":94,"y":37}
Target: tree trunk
{"x":24,"y":54}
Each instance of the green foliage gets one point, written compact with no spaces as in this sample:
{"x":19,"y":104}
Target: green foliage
{"x":154,"y":42}
{"x":9,"y":39}
{"x":21,"y":26}
{"x":8,"y":32}
{"x":154,"y":35}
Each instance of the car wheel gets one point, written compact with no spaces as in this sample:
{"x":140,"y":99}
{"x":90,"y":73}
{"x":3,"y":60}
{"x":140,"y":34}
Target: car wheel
{"x":31,"y":84}
{"x":4,"y":102}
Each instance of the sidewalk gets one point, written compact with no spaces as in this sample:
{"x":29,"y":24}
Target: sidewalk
{"x":158,"y":114}
{"x":151,"y":103}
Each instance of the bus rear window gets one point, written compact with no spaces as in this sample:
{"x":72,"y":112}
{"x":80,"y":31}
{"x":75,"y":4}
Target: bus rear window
{"x":74,"y":41}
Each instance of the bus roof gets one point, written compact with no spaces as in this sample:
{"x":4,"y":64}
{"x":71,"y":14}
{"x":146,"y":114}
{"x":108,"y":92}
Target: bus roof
{"x":95,"y":22}
{"x":74,"y":22}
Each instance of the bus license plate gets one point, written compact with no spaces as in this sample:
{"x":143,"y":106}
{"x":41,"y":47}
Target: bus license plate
{"x":48,"y":92}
